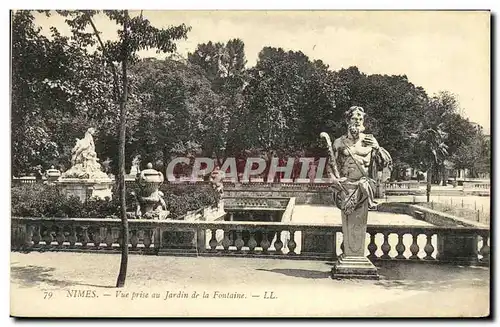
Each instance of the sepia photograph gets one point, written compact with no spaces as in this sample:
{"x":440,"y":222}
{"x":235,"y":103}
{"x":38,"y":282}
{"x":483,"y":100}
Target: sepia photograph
{"x":250,"y":163}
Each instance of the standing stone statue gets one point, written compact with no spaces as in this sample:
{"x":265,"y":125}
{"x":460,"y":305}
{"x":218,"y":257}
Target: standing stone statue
{"x":135,"y":169}
{"x":216,"y":177}
{"x":355,"y":160}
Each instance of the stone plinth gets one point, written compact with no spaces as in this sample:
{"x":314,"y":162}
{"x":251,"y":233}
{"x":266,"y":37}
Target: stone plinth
{"x":353,"y":263}
{"x":458,"y":249}
{"x":353,"y":267}
{"x":86,"y":189}
{"x":318,"y":243}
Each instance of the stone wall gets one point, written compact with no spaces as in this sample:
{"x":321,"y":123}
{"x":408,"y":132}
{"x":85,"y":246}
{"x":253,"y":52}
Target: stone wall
{"x":434,"y":217}
{"x":301,"y":197}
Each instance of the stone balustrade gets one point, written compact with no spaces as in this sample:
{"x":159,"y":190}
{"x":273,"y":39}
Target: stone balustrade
{"x":477,"y":188}
{"x":26,"y":180}
{"x":245,"y":203}
{"x":402,"y":188}
{"x":463,"y":245}
{"x":481,"y":185}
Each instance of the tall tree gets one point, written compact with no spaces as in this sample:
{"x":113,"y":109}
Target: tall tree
{"x":224,"y":66}
{"x":58,"y":90}
{"x":430,"y":147}
{"x":394,"y":107}
{"x":178,"y":112}
{"x":289,"y":100}
{"x":473,"y":154}
{"x":134,"y":34}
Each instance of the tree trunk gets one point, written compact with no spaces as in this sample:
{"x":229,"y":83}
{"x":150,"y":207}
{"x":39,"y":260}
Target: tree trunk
{"x":429,"y":182}
{"x":123,"y":111}
{"x":444,"y":174}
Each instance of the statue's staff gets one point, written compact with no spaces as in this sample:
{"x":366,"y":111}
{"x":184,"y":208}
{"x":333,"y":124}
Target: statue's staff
{"x":333,"y":161}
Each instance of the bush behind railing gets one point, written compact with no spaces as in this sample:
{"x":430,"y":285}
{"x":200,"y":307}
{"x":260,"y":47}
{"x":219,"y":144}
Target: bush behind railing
{"x":181,"y":198}
{"x":40,"y":200}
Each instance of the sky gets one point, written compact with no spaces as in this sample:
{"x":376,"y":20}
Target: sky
{"x":438,"y":50}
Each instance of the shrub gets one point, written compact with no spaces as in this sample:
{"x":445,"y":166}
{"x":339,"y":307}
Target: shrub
{"x":181,"y":198}
{"x":39,"y":200}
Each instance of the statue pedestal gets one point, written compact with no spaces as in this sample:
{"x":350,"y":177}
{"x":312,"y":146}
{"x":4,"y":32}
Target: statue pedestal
{"x":351,"y":267}
{"x":353,"y":262}
{"x":85,"y":189}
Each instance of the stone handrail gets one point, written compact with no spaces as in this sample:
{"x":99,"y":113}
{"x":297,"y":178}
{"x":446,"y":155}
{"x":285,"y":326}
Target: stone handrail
{"x":251,"y":239}
{"x":479,"y":188}
{"x":483,"y":185}
{"x":26,"y":180}
{"x":402,"y":185}
{"x":275,"y":203}
{"x":402,"y":188}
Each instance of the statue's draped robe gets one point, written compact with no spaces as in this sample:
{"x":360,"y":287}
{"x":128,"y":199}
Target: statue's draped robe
{"x":363,"y":189}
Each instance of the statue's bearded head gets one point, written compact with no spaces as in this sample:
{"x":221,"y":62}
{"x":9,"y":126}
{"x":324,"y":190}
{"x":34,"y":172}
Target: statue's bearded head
{"x":355,"y":118}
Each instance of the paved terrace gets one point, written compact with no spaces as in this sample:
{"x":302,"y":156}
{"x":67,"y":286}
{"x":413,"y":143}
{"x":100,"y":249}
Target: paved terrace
{"x":301,"y":288}
{"x":304,"y":213}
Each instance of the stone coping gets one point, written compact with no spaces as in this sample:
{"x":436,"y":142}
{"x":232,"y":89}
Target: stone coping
{"x":458,"y":220}
{"x":434,"y":217}
{"x":84,"y":181}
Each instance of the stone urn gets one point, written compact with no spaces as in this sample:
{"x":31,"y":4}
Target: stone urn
{"x":149,"y":199}
{"x":52,"y":175}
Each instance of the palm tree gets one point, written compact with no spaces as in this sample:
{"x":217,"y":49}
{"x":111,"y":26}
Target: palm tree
{"x":431,"y":149}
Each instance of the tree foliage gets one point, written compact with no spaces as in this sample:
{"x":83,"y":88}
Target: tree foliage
{"x":58,"y":90}
{"x":211,"y":103}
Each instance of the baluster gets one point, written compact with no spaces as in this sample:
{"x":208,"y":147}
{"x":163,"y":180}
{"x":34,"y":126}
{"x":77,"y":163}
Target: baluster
{"x":226,"y":242}
{"x":213,"y":240}
{"x":134,"y":240}
{"x":252,"y":243}
{"x":48,"y":238}
{"x":278,"y":245}
{"x":400,"y":247}
{"x":291,"y":243}
{"x":265,"y":244}
{"x":386,"y":247}
{"x":429,"y":249}
{"x":148,"y":238}
{"x":85,"y":236}
{"x":414,"y":248}
{"x":60,"y":238}
{"x":239,"y":241}
{"x":72,"y":238}
{"x":29,"y":236}
{"x":109,"y":237}
{"x":485,"y":249}
{"x":372,"y":247}
{"x":96,"y":238}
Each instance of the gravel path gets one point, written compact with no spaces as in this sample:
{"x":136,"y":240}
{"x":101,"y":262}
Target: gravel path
{"x":299,"y":288}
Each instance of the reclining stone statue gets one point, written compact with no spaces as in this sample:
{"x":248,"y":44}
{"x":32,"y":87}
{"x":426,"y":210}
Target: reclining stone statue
{"x":84,"y":161}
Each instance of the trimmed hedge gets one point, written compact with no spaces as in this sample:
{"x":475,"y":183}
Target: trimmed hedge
{"x":39,"y":200}
{"x":181,"y":198}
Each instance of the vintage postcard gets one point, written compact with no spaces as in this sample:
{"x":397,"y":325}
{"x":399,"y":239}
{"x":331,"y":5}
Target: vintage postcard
{"x":250,"y":163}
